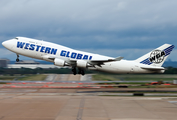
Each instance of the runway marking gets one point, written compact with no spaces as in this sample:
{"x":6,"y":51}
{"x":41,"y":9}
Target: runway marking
{"x":22,"y":98}
{"x":135,"y":119}
{"x":173,"y":102}
{"x":81,"y":108}
{"x":63,"y":106}
{"x":13,"y":96}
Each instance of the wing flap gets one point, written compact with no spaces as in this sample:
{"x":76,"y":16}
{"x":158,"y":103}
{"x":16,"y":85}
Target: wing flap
{"x":91,"y":63}
{"x":108,"y":60}
{"x":101,"y":62}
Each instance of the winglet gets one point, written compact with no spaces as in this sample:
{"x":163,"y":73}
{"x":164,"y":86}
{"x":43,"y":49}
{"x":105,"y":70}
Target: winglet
{"x":118,"y":58}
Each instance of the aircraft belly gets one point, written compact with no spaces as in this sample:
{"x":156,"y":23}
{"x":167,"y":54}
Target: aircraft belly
{"x":113,"y":68}
{"x":123,"y":68}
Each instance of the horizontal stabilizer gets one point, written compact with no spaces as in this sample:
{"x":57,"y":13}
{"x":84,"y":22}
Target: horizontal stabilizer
{"x":153,"y":68}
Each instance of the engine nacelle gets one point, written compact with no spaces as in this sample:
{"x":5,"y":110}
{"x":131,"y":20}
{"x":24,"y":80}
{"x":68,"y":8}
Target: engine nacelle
{"x":81,"y":63}
{"x":59,"y":62}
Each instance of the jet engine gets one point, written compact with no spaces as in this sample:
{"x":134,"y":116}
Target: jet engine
{"x":82,"y":64}
{"x":59,"y":62}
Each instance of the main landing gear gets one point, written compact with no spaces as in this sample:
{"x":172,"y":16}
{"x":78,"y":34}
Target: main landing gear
{"x":17,"y":58}
{"x":74,"y":70}
{"x":80,"y":71}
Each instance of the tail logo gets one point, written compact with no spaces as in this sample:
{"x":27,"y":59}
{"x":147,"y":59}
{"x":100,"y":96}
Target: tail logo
{"x":157,"y":56}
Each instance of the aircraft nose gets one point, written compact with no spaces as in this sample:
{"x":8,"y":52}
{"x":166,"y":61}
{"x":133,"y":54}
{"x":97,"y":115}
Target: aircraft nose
{"x":7,"y":44}
{"x":4,"y":43}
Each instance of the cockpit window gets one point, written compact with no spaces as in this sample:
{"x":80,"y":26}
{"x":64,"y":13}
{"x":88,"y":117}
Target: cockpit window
{"x":16,"y":38}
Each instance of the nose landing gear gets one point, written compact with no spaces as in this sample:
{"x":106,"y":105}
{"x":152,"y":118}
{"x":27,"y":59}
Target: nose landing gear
{"x":17,"y":58}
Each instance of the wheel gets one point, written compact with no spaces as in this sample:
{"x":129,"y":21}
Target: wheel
{"x":82,"y":72}
{"x":74,"y":71}
{"x":17,"y":60}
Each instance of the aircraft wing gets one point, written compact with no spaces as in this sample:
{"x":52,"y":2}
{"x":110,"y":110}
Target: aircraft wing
{"x":108,"y":60}
{"x":91,"y":63}
{"x":101,"y":62}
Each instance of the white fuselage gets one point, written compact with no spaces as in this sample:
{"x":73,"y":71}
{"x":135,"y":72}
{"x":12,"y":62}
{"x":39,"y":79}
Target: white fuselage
{"x":45,"y":51}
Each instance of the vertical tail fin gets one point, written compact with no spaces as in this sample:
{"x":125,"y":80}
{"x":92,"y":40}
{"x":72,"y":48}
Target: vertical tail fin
{"x":156,"y":57}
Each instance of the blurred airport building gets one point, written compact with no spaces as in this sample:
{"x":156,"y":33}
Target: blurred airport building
{"x":26,"y":64}
{"x":29,"y":62}
{"x":6,"y":63}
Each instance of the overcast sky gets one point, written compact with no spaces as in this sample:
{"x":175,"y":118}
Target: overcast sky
{"x":128,"y":28}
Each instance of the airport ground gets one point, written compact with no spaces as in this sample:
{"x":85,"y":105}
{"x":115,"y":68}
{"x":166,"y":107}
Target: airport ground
{"x":27,"y":104}
{"x":83,"y":104}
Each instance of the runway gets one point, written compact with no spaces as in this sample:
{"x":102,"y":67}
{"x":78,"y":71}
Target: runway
{"x":42,"y":102}
{"x":29,"y":104}
{"x":67,"y":77}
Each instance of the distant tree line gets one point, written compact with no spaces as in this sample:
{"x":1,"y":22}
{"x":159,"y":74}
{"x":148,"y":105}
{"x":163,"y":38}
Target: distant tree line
{"x":22,"y":71}
{"x":171,"y":70}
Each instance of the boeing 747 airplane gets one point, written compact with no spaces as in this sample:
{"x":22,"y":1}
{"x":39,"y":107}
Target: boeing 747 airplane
{"x":79,"y":61}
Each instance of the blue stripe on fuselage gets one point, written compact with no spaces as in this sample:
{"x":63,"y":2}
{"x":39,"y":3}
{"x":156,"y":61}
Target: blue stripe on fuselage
{"x":34,"y":47}
{"x":74,"y":55}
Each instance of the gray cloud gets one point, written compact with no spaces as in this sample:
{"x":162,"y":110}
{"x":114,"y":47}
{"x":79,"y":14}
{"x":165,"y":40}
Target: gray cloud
{"x":118,"y":25}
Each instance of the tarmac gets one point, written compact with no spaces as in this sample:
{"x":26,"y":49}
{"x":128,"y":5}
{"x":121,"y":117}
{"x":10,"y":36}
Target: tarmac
{"x":82,"y":104}
{"x":49,"y":106}
{"x":67,"y":104}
